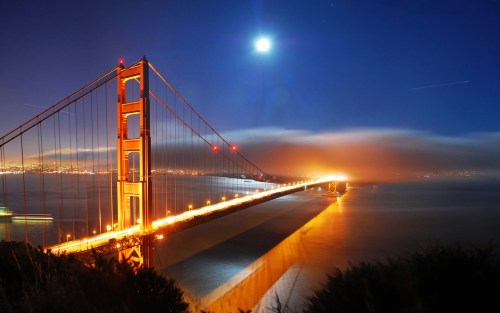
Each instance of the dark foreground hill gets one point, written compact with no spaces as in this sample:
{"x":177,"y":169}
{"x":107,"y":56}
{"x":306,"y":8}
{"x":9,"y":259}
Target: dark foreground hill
{"x":32,"y":281}
{"x":454,"y":278}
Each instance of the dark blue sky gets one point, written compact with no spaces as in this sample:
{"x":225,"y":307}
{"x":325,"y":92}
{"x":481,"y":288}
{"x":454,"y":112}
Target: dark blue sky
{"x":335,"y":65}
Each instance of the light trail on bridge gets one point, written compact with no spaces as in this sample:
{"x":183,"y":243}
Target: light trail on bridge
{"x":85,"y":244}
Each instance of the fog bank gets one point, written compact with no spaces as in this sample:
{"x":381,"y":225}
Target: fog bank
{"x":370,"y":154}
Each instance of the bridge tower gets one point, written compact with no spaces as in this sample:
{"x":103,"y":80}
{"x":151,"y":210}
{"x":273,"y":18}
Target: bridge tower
{"x":134,"y":194}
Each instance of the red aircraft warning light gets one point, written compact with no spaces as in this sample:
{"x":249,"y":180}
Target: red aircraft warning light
{"x":215,"y":148}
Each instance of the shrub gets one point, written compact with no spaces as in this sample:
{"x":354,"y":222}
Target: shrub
{"x":454,"y":278}
{"x":33,"y":281}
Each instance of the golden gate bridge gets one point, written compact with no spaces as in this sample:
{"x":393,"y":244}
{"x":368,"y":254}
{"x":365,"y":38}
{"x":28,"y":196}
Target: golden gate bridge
{"x":100,"y":172}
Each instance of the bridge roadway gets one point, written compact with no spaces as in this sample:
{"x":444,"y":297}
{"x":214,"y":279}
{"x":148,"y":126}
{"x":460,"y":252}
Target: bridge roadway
{"x":113,"y":241}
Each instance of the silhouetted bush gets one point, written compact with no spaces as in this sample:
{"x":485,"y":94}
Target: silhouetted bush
{"x":33,"y":281}
{"x":453,"y":278}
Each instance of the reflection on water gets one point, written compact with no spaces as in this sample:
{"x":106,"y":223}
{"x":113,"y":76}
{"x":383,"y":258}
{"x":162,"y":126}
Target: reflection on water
{"x":240,"y":261}
{"x":217,"y":256}
{"x":39,"y":229}
{"x":278,"y":272}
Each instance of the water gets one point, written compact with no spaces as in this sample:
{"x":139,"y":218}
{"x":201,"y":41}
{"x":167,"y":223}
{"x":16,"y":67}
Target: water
{"x":82,"y":204}
{"x":286,"y":246}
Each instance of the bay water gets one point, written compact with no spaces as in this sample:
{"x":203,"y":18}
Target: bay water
{"x":281,"y":250}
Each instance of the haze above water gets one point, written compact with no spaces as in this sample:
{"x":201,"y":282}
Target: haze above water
{"x":286,"y":246}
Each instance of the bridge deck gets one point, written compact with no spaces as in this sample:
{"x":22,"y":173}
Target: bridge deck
{"x":122,"y":239}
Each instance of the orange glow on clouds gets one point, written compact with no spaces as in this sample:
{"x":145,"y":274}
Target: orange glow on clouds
{"x":369,"y":154}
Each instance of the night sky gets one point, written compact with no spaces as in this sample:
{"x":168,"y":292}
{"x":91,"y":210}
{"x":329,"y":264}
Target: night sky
{"x":376,"y":70}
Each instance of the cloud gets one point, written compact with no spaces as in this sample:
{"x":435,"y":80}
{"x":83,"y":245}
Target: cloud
{"x":67,"y":153}
{"x":362,"y":154}
{"x":370,"y":154}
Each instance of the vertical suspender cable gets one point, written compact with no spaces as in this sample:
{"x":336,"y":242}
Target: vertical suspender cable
{"x":176,"y":137}
{"x":73,"y":203}
{"x":165,"y":133}
{"x":24,"y":190}
{"x":4,"y":189}
{"x":191,"y":165}
{"x":42,"y":179}
{"x":98,"y":170}
{"x":60,"y":200}
{"x":184,"y":145}
{"x":164,"y":158}
{"x":154,"y":156}
{"x":109,"y":157}
{"x":212,"y":169}
{"x":86,"y":233}
{"x":92,"y":151}
{"x":79,"y":171}
{"x":54,"y":164}
{"x":170,"y":161}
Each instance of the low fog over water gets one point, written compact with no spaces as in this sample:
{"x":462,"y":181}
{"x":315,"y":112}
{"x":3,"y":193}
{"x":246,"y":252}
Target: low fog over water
{"x":372,"y":154}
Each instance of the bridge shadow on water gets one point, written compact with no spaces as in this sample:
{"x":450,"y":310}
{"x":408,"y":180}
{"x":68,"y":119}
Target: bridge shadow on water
{"x":233,"y":261}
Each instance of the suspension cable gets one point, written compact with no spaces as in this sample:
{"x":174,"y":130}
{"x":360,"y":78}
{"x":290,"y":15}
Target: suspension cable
{"x":200,"y":117}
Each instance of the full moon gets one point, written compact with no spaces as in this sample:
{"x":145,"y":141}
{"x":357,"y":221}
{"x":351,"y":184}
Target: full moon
{"x":263,"y":45}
